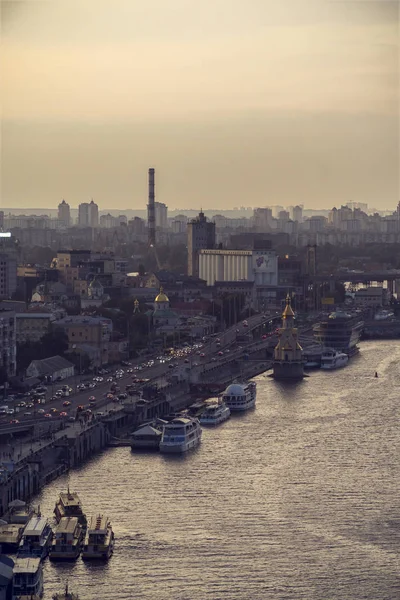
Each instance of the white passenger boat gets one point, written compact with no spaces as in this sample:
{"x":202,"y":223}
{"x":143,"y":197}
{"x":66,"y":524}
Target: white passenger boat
{"x":28,"y":578}
{"x":99,"y":539}
{"x":68,"y":539}
{"x":215,"y":413}
{"x":36,"y":539}
{"x":180,"y":435}
{"x":240,"y":396}
{"x":332,"y":359}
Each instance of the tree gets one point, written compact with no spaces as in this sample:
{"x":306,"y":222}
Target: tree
{"x":54,"y":343}
{"x":141,"y":270}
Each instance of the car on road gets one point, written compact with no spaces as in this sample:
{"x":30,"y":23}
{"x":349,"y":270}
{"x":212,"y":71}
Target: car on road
{"x":71,"y":419}
{"x":41,"y":411}
{"x":220,"y":353}
{"x":66,"y":403}
{"x":63,"y":414}
{"x":48,"y":416}
{"x":14,"y":421}
{"x":92,"y":403}
{"x":109,"y":379}
{"x":91,"y":398}
{"x":54,"y":410}
{"x":27,"y":414}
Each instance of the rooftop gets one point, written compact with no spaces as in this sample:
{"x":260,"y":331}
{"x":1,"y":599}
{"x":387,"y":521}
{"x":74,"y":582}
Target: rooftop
{"x":35,"y":526}
{"x":26,"y":565}
{"x":47,"y":366}
{"x":67,"y":525}
{"x":98,"y":524}
{"x":70,"y":498}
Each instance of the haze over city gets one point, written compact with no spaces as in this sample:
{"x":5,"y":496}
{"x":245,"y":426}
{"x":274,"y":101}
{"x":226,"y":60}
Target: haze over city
{"x":233,"y":103}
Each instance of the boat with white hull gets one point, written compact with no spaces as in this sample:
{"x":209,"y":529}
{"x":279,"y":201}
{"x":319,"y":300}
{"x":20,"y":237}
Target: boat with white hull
{"x":67,"y":540}
{"x":240,"y":396}
{"x":180,"y":435}
{"x":333,"y":359}
{"x":214,"y":414}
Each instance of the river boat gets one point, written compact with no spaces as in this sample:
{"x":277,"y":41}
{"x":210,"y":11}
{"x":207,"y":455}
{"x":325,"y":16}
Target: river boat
{"x":147,"y":437}
{"x":28,"y":578}
{"x":68,"y":539}
{"x":340,"y":331}
{"x":19,"y":512}
{"x":215,"y":413}
{"x":240,"y":396}
{"x":180,"y":435}
{"x":69,"y":505}
{"x":99,"y":539}
{"x":332,"y":359}
{"x":10,"y":536}
{"x":36,"y":539}
{"x":65,"y":595}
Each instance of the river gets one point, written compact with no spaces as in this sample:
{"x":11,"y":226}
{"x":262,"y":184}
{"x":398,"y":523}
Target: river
{"x":297,"y":499}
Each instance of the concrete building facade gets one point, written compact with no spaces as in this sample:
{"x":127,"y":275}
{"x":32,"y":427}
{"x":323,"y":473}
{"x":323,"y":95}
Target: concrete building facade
{"x":7,"y":342}
{"x":201,"y":235}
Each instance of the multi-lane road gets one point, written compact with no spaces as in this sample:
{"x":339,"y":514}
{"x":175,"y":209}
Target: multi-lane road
{"x":159,"y":370}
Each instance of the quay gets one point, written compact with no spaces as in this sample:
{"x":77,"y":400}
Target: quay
{"x":36,"y":451}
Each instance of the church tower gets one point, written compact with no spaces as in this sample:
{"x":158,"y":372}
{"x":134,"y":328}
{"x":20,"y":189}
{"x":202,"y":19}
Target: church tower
{"x":288,"y":354}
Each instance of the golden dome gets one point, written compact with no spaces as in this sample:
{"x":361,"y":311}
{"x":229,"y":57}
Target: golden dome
{"x":161,"y":296}
{"x":288,"y":312}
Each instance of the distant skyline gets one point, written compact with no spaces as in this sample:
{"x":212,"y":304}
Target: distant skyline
{"x":233,"y":103}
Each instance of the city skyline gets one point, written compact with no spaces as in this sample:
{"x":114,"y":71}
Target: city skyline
{"x":233,"y":107}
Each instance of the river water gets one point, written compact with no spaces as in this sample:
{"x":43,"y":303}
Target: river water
{"x":297,"y":499}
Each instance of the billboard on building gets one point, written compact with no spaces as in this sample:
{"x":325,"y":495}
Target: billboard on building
{"x":264,"y":262}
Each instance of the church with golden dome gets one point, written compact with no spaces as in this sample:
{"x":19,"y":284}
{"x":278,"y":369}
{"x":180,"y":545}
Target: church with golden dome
{"x":288,"y":361}
{"x":163,"y":316}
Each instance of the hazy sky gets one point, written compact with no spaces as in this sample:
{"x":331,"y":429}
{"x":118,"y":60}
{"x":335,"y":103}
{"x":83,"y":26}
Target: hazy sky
{"x":234,"y":102}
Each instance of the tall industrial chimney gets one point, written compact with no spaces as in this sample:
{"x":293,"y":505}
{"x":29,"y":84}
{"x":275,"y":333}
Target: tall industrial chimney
{"x":151,"y":211}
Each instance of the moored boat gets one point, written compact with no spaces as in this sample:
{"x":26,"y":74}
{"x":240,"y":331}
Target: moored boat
{"x":215,"y":413}
{"x":28,"y":578}
{"x":240,"y":396}
{"x":333,"y":359}
{"x":19,"y":512}
{"x":36,"y":539}
{"x":68,"y":539}
{"x":99,"y":539}
{"x":147,"y":437}
{"x":180,"y":435}
{"x":10,"y":536}
{"x":69,"y":505}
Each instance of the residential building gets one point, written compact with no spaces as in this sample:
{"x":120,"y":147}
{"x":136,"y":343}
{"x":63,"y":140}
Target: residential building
{"x":8,"y":275}
{"x":161,"y":215}
{"x":7,"y":342}
{"x":262,"y":218}
{"x":93,"y":214}
{"x":1,"y":220}
{"x":83,"y":215}
{"x":297,"y":213}
{"x":31,"y":327}
{"x":201,"y":236}
{"x":107,"y":221}
{"x":56,"y":367}
{"x":64,"y":213}
{"x":94,"y":332}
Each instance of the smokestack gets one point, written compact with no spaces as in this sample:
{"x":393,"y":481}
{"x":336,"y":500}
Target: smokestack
{"x":151,"y":211}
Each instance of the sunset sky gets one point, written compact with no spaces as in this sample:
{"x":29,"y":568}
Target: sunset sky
{"x":234,"y":102}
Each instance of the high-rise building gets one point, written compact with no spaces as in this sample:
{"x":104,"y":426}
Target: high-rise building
{"x":64,"y":213}
{"x":7,"y":342}
{"x":296,"y":213}
{"x":93,"y":214}
{"x":201,"y":236}
{"x":8,"y":275}
{"x":161,"y":210}
{"x":83,"y":215}
{"x":107,"y":221}
{"x":262,"y":218}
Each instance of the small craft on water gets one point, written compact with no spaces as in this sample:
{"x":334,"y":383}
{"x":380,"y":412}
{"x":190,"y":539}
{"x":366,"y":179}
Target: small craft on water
{"x":68,"y":538}
{"x":69,"y":505}
{"x":99,"y":539}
